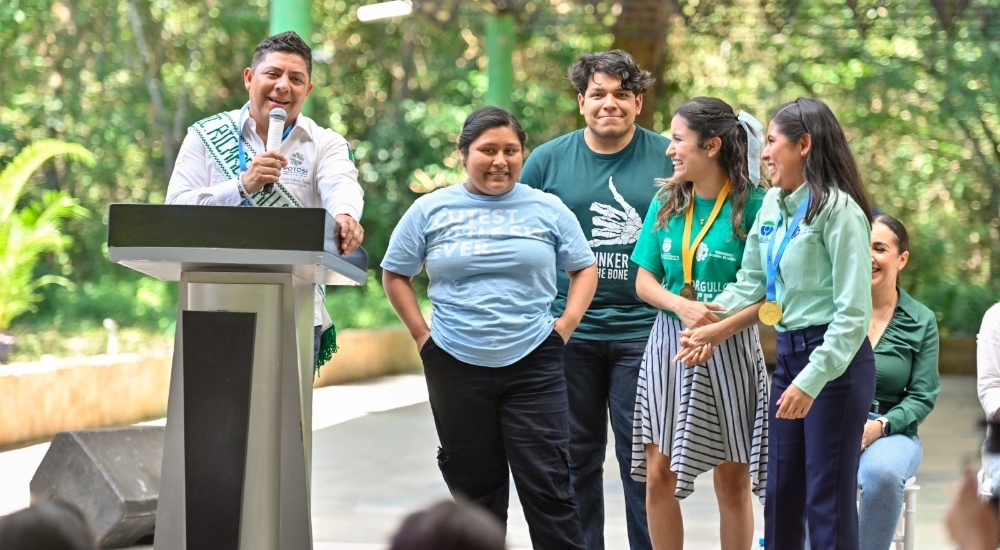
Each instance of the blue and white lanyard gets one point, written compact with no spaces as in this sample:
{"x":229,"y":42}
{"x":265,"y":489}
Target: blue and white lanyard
{"x":772,"y":262}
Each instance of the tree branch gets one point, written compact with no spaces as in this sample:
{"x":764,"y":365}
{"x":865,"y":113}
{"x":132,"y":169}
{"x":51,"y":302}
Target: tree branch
{"x":153,"y":85}
{"x":180,"y":111}
{"x":641,"y":30}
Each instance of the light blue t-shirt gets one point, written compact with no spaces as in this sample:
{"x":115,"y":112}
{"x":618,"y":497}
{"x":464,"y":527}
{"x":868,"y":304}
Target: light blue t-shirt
{"x":492,"y":263}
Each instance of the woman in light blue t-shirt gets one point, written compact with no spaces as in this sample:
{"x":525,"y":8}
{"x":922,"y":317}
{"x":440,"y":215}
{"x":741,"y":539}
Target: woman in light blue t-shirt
{"x":492,"y":354}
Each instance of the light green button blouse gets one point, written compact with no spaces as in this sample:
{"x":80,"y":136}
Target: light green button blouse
{"x":824,"y":278}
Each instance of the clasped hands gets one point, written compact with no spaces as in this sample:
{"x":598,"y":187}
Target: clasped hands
{"x":698,"y":343}
{"x":699,"y":340}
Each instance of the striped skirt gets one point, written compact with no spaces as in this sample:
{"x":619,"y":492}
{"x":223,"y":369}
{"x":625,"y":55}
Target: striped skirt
{"x":704,"y":415}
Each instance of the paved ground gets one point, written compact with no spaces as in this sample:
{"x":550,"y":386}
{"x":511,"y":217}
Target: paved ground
{"x":374,"y":461}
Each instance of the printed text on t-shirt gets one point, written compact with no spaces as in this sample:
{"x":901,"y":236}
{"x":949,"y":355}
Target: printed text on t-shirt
{"x":612,"y":265}
{"x":454,"y":228}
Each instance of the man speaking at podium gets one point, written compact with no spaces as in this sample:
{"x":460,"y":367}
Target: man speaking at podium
{"x":224,"y":160}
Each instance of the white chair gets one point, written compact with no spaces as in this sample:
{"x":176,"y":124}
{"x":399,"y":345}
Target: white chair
{"x":906,"y":535}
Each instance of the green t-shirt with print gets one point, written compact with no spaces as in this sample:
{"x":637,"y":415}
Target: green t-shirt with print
{"x":609,"y":194}
{"x":717,"y":258}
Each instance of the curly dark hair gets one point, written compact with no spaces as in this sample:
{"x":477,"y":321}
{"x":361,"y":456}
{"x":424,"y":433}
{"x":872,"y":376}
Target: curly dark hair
{"x":710,"y":117}
{"x":616,"y":63}
{"x":287,"y":42}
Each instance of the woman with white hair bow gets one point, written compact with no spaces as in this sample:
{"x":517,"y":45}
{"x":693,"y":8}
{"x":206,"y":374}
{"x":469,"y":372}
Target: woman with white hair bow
{"x":704,"y":408}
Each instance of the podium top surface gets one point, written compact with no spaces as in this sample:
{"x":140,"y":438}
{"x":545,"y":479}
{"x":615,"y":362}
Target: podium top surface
{"x":164,"y":240}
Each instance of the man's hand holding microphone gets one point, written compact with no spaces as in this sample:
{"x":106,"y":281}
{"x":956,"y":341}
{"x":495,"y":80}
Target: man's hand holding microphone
{"x":265,"y":168}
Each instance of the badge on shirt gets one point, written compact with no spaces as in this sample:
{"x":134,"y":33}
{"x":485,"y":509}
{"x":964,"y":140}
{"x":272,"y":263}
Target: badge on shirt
{"x":766,"y":231}
{"x":297,"y":172}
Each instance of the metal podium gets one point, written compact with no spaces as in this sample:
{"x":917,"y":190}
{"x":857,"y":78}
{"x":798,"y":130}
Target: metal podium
{"x":237,"y":453}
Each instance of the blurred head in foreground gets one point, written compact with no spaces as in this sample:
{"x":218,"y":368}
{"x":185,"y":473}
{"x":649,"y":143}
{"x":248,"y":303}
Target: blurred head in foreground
{"x":450,"y":525}
{"x":53,"y":525}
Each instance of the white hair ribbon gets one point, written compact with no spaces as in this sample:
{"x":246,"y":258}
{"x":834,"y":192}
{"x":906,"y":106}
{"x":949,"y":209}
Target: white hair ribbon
{"x":754,"y":130}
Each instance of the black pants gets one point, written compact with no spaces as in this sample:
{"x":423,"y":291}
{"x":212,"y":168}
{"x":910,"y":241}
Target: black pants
{"x":489,"y":419}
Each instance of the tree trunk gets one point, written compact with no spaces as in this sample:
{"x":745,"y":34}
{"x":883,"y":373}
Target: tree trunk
{"x":641,"y":30}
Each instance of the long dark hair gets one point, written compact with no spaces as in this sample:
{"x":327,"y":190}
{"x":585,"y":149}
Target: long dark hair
{"x":483,"y":119}
{"x":710,"y":117}
{"x":830,"y":162}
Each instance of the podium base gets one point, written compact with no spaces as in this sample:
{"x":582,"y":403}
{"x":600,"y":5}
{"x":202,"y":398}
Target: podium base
{"x":237,"y":450}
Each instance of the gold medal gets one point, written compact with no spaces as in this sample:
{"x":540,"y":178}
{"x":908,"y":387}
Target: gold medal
{"x":769,"y":313}
{"x":688,"y":293}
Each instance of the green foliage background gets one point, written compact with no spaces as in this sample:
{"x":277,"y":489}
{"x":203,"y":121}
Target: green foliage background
{"x":913,"y":82}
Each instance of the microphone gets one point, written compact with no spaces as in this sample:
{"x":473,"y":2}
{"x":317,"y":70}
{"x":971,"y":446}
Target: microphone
{"x":275,"y":127}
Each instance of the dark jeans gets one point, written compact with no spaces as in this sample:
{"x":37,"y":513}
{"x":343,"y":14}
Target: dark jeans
{"x":602,"y":377}
{"x":812,"y":468}
{"x":489,"y":419}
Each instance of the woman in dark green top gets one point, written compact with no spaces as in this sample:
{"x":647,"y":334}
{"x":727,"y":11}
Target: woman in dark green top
{"x":905,"y":337}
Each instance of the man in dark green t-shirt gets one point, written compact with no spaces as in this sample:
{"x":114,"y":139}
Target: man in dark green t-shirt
{"x":605,"y":173}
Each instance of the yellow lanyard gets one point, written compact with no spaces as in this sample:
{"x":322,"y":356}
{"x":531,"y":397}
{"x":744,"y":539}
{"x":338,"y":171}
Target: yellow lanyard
{"x":688,"y":247}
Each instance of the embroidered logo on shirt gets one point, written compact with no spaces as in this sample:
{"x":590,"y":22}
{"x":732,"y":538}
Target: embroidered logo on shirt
{"x":298,"y":172}
{"x":613,"y":226}
{"x":667,"y":244}
{"x":767,"y":228}
{"x":702,"y":252}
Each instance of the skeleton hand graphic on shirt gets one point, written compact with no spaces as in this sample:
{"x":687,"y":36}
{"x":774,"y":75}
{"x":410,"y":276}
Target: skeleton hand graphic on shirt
{"x":614,"y":226}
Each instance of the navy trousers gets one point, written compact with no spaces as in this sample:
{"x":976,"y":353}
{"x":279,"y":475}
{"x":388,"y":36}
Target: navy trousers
{"x":812,"y":469}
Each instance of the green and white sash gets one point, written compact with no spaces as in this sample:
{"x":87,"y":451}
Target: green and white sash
{"x":221,"y":134}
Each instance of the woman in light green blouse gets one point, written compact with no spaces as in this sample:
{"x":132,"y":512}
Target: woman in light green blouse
{"x":808,"y":256}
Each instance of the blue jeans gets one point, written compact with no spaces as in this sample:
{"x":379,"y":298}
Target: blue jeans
{"x":491,"y":419}
{"x":884,"y":468}
{"x":601,"y":377}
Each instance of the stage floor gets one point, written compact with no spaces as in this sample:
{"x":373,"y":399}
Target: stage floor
{"x":374,"y":461}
